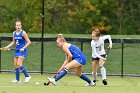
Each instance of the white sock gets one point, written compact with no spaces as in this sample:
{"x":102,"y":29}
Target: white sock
{"x":103,"y":72}
{"x":94,"y":76}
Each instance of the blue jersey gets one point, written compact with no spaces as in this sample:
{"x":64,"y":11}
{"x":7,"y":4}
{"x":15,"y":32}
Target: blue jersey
{"x":77,"y":54}
{"x":20,"y":43}
{"x":20,"y":40}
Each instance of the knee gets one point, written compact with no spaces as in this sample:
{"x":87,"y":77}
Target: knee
{"x":101,"y":67}
{"x":18,"y":65}
{"x":78,"y":74}
{"x":67,"y":67}
{"x":15,"y":65}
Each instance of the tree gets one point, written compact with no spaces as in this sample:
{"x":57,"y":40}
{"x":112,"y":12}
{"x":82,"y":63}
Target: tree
{"x":72,"y":16}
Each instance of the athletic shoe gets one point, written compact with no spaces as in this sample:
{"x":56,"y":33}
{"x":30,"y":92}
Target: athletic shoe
{"x":91,"y":84}
{"x":104,"y":82}
{"x":52,"y":80}
{"x":27,"y":79}
{"x":95,"y":81}
{"x":15,"y":81}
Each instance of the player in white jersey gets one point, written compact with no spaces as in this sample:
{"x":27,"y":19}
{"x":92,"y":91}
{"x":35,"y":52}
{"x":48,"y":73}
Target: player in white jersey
{"x":98,"y":54}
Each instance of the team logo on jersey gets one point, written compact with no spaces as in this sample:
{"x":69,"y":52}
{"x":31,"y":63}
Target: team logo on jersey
{"x":18,"y":37}
{"x":99,"y":46}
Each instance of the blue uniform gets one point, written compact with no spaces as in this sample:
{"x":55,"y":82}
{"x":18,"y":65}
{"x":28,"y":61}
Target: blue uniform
{"x":20,"y":43}
{"x":78,"y":55}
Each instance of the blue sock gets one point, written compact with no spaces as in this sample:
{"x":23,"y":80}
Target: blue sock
{"x":84,"y":77}
{"x":17,"y":72}
{"x":61,"y":74}
{"x":24,"y":71}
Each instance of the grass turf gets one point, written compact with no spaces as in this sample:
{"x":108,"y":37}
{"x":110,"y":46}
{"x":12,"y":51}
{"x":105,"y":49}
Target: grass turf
{"x":68,"y":84}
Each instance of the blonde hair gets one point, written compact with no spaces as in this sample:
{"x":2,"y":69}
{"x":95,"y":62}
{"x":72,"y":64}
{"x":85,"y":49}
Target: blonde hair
{"x":59,"y":35}
{"x":61,"y":38}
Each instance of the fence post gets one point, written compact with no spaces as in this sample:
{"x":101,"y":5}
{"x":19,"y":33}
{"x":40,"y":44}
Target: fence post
{"x":0,"y":55}
{"x":42,"y":39}
{"x":81,"y":46}
{"x":122,"y":59}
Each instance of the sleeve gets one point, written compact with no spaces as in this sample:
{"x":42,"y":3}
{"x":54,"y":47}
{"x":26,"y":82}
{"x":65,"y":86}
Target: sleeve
{"x":107,"y":37}
{"x":94,"y":50}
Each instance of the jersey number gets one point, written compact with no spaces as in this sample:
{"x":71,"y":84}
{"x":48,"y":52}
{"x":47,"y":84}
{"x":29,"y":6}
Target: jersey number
{"x":17,"y":42}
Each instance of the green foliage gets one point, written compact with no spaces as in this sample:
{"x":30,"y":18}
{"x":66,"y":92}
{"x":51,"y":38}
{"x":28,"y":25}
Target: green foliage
{"x":72,"y":16}
{"x":26,"y":10}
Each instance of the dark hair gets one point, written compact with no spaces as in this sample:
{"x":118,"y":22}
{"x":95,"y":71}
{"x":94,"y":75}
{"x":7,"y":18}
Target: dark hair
{"x":96,"y":32}
{"x":17,"y":20}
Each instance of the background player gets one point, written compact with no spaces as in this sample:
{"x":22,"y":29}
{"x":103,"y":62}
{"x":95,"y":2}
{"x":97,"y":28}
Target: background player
{"x":21,"y":40}
{"x":98,"y":54}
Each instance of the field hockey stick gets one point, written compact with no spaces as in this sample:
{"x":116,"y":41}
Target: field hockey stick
{"x":106,"y":55}
{"x":7,"y":49}
{"x":47,"y":83}
{"x":107,"y":52}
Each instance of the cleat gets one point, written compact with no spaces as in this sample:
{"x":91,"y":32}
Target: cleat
{"x":104,"y":82}
{"x":91,"y":84}
{"x":95,"y":81}
{"x":52,"y":80}
{"x":27,"y":79}
{"x":15,"y":81}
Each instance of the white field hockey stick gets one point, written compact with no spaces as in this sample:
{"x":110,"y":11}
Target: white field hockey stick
{"x":107,"y":52}
{"x":106,"y":56}
{"x":1,"y":49}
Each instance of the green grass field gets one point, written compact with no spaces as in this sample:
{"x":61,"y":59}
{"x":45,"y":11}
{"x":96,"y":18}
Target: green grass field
{"x":53,"y":59}
{"x":68,"y":84}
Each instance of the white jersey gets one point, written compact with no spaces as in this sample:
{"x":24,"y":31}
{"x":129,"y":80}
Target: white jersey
{"x":98,"y":46}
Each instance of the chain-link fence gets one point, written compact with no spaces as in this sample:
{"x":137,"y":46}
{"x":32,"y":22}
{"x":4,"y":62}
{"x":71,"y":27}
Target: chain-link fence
{"x":123,"y":58}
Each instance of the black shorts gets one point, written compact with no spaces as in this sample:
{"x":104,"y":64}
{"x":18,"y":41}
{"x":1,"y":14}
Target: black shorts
{"x":98,"y":58}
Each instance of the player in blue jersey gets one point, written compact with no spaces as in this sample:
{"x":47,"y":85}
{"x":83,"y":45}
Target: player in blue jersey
{"x":21,"y":40}
{"x":75,"y":58}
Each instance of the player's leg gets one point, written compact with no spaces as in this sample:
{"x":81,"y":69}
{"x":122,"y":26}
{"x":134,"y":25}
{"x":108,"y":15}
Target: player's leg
{"x":103,"y":71}
{"x":70,"y":65}
{"x":17,"y":71}
{"x":94,"y":70}
{"x":24,"y":70}
{"x":78,"y":72}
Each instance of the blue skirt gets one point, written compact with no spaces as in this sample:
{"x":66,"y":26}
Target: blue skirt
{"x":18,"y":53}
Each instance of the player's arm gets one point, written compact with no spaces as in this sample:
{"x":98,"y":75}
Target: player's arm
{"x":68,"y":57}
{"x":68,"y":53}
{"x":109,"y":38}
{"x":28,"y":42}
{"x":11,"y":44}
